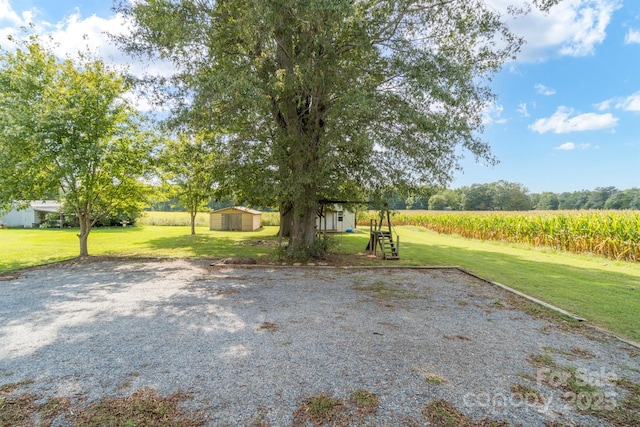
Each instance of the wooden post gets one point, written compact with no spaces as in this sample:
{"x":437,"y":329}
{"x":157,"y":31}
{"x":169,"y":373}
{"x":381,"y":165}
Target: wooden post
{"x":375,"y":243}
{"x":323,"y":213}
{"x":373,"y":239}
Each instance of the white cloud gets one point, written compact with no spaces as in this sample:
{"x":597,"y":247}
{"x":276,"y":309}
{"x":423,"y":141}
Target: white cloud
{"x":571,"y":28}
{"x":492,"y":114}
{"x":633,"y":36}
{"x":561,"y":122}
{"x":630,"y":103}
{"x":604,"y":105}
{"x":513,"y":69}
{"x":8,"y":14}
{"x":76,"y":33}
{"x":11,"y":21}
{"x":542,"y":89}
{"x":568,"y":146}
{"x":522,"y":109}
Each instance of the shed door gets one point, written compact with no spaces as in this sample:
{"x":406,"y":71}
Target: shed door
{"x":329,"y":223}
{"x":232,"y":222}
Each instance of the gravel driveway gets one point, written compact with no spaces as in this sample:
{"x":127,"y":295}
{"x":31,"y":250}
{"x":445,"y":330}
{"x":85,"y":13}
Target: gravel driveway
{"x":251,"y":345}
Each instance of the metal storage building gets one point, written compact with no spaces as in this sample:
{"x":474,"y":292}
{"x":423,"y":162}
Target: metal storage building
{"x":236,"y":218}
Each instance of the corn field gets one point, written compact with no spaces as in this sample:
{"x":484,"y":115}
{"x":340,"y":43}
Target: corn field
{"x":173,"y":218}
{"x":202,"y":218}
{"x":611,"y":234}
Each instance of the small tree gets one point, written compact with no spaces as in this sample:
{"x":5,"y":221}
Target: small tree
{"x":574,"y":200}
{"x":599,"y":196}
{"x":453,"y":198}
{"x":437,"y":202}
{"x":478,"y":197}
{"x":66,"y":129}
{"x":510,"y":196}
{"x":548,"y":201}
{"x":190,"y":168}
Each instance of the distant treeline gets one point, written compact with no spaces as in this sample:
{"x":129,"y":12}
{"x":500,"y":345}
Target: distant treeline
{"x":495,"y":196}
{"x":173,"y":205}
{"x":508,"y":196}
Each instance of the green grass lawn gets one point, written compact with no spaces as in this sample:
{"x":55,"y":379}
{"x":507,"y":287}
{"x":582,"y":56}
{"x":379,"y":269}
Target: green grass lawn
{"x":605,"y":292}
{"x":24,"y":248}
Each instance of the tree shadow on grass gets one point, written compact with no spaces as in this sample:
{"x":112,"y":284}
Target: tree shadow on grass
{"x":208,"y":245}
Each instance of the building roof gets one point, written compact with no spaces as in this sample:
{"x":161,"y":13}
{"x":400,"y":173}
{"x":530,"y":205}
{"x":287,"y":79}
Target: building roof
{"x":239,"y":208}
{"x":46,"y":205}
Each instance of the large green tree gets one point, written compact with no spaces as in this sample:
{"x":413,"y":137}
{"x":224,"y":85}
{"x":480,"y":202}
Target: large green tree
{"x":478,"y":197}
{"x":190,"y":166}
{"x":510,"y":196}
{"x":547,"y":201}
{"x":327,"y":98}
{"x":66,"y":129}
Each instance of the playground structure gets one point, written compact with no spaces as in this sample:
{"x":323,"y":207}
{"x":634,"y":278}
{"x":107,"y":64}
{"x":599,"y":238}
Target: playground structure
{"x":383,"y":239}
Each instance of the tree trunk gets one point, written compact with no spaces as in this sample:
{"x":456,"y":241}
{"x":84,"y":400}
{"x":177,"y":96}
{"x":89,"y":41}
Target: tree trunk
{"x":85,"y":229}
{"x":193,"y":221}
{"x":302,"y":244}
{"x":286,"y":220}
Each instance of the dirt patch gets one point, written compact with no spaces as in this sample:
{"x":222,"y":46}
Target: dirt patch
{"x":441,"y":413}
{"x":268,"y":326}
{"x":259,"y":242}
{"x":143,"y":408}
{"x":236,"y":261}
{"x":323,"y":410}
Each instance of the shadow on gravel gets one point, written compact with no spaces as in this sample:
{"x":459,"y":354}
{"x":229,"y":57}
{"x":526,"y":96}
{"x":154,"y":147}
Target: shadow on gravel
{"x":36,"y":305}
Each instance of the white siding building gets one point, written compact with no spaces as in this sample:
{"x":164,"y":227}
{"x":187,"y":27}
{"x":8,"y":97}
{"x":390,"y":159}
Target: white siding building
{"x":31,"y":216}
{"x":336,"y":219}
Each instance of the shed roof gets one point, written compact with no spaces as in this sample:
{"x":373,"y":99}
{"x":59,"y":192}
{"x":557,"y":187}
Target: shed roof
{"x":239,"y":208}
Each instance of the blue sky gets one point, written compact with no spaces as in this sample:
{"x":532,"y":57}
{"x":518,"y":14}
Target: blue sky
{"x":567,"y":116}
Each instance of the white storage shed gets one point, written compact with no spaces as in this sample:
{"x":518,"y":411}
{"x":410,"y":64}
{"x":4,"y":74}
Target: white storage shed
{"x":336,"y":219}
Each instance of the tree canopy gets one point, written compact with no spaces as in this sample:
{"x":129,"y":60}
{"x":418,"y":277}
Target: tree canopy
{"x":328,"y":98}
{"x":67,"y":130}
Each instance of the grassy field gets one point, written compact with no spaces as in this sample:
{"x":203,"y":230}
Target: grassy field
{"x":605,"y":292}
